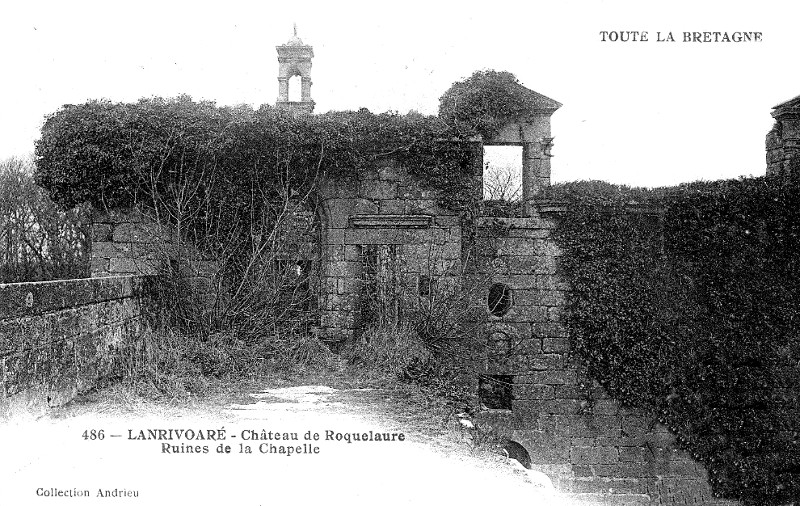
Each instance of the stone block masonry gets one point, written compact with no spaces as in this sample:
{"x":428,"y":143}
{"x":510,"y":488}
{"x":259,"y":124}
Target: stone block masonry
{"x":127,"y":242}
{"x":383,"y":228}
{"x":783,"y":141}
{"x":60,"y":338}
{"x":124,"y":242}
{"x":592,"y":448}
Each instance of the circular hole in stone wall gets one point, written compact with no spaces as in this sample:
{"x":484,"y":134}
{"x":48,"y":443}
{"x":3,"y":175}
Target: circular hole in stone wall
{"x":500,"y":299}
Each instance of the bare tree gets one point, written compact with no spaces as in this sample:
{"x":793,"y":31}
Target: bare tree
{"x":244,"y":272}
{"x":501,"y":183}
{"x":38,"y":240}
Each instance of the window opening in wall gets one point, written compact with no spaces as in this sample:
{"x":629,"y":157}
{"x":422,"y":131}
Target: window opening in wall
{"x":496,"y":391}
{"x":303,"y":272}
{"x":292,"y":280}
{"x":500,"y":299}
{"x":502,"y":173}
{"x":279,"y":266}
{"x":295,"y":89}
{"x":516,"y":451}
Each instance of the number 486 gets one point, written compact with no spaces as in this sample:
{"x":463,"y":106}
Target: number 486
{"x":93,"y":435}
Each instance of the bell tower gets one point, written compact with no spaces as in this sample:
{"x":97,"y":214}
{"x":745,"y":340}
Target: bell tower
{"x":294,"y":59}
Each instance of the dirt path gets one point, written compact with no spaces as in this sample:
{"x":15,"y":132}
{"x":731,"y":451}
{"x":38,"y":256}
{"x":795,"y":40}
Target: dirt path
{"x":48,"y":460}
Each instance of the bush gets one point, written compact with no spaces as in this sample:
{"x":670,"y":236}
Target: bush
{"x":393,"y":349}
{"x":115,"y":155}
{"x":169,"y":362}
{"x":686,"y":303}
{"x":484,"y":102}
{"x":426,"y":337}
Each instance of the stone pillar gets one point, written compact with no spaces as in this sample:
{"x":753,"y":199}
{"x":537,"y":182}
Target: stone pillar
{"x":783,"y":141}
{"x":791,"y":143}
{"x":306,"y":89}
{"x":534,"y":177}
{"x":283,"y":89}
{"x":528,"y":171}
{"x":544,"y":172}
{"x":535,"y":168}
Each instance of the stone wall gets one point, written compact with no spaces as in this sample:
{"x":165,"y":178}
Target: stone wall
{"x":387,"y":215}
{"x":59,"y":338}
{"x":589,"y":445}
{"x":783,"y":141}
{"x":124,"y":242}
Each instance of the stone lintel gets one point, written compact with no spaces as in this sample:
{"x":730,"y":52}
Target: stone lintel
{"x":391,"y":221}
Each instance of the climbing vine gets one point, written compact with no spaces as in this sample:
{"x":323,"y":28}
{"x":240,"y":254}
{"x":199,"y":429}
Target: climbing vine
{"x":685,"y":304}
{"x":484,"y":102}
{"x":117,"y":154}
{"x":109,"y":154}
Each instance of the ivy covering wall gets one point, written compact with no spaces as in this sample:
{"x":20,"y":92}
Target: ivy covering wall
{"x":686,"y":303}
{"x":116,"y":154}
{"x":220,"y":167}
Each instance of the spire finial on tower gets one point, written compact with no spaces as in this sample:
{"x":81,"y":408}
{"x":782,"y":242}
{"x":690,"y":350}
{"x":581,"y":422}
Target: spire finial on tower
{"x":295,"y":29}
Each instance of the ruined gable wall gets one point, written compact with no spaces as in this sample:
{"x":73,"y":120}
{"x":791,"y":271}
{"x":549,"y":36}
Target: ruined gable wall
{"x":385,"y":211}
{"x":59,"y":338}
{"x":587,"y":443}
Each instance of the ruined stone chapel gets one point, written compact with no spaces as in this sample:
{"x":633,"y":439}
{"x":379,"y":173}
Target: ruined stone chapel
{"x":386,"y":229}
{"x":385,"y":233}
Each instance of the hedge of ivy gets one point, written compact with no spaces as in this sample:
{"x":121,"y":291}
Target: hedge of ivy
{"x":484,"y":102}
{"x":686,"y":303}
{"x":113,"y":154}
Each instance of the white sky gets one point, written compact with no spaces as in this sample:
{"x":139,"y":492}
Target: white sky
{"x":637,"y":113}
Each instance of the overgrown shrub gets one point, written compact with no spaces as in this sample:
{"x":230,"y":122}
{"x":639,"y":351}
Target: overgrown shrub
{"x":114,"y":155}
{"x":399,"y":353}
{"x":485,"y":101}
{"x":117,"y":154}
{"x":393,"y":349}
{"x":194,"y":336}
{"x":171,"y":362}
{"x":686,"y":303}
{"x":426,"y":335}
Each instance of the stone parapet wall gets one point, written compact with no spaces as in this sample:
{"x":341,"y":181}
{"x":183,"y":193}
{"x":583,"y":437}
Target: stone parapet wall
{"x":59,"y":338}
{"x":591,"y":447}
